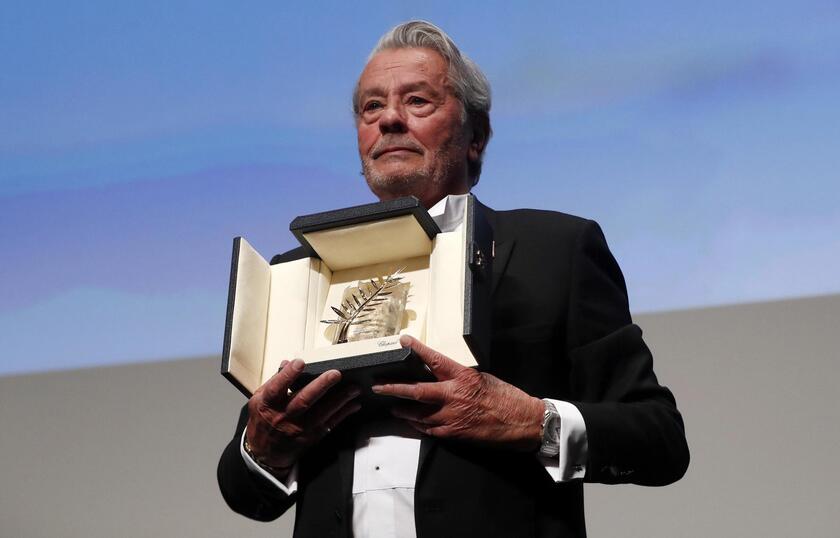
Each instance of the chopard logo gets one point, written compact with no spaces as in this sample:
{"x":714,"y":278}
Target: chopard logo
{"x":390,"y":342}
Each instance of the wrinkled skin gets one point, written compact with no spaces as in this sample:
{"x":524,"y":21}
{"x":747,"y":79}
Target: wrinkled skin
{"x":462,"y":404}
{"x":467,"y":405}
{"x":282,"y":425}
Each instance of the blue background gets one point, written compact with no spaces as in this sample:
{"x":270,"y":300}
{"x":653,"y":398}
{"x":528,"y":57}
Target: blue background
{"x":137,"y":139}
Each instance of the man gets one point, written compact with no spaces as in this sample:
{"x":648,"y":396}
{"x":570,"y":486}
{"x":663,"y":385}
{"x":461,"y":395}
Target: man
{"x":567,"y":395}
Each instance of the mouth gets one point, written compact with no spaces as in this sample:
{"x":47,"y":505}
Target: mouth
{"x":392,"y":150}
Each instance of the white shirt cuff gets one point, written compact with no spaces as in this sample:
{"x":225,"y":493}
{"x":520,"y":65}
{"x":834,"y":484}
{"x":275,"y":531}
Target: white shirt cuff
{"x":287,"y":486}
{"x":570,"y":463}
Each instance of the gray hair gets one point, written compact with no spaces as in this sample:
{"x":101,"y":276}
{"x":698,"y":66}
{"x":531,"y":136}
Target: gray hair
{"x":468,"y":82}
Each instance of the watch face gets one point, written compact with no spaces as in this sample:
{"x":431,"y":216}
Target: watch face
{"x":551,"y":433}
{"x":554,"y":427}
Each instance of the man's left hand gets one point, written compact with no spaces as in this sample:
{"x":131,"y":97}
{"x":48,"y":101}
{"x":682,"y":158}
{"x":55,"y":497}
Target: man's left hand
{"x":466,"y":404}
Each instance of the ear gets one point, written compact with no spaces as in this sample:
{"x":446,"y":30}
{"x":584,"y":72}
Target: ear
{"x":480,"y":137}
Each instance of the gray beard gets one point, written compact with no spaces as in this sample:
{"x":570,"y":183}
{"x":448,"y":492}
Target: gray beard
{"x":414,"y":183}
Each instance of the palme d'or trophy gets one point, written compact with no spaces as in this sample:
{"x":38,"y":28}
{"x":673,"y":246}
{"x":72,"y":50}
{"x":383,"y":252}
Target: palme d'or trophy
{"x":372,"y":309}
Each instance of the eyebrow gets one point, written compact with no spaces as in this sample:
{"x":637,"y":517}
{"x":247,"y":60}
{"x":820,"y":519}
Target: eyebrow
{"x":404,"y":88}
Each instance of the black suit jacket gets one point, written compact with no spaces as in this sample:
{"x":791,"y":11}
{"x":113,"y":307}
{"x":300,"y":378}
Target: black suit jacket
{"x":561,"y":329}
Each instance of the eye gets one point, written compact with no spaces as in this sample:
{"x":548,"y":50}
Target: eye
{"x":416,"y":100}
{"x":371,"y":106}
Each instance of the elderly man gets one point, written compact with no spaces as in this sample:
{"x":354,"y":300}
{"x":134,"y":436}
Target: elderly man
{"x":567,"y":395}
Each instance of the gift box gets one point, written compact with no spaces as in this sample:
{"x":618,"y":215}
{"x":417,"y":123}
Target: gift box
{"x":365,"y":276}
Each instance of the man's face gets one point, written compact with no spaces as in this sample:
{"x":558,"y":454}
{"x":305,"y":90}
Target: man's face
{"x":411,"y":132}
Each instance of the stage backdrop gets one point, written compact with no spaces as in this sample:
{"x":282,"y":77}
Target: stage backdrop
{"x":138,"y":139}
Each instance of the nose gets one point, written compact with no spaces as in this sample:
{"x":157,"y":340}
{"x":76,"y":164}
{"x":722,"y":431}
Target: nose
{"x":392,"y":119}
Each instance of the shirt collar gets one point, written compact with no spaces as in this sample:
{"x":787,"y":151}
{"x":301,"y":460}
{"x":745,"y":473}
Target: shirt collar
{"x":449,"y":212}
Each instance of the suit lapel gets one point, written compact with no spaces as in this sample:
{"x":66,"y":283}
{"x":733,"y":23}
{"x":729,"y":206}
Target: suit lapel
{"x":503,"y":246}
{"x":427,"y":444}
{"x":500,"y":261}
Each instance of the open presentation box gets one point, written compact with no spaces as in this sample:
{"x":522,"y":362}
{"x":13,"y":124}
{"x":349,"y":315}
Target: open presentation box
{"x":389,"y":265}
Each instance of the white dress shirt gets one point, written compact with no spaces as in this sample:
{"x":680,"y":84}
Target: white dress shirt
{"x":388,"y":451}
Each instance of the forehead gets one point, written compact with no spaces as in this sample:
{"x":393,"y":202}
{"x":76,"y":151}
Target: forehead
{"x":404,"y":66}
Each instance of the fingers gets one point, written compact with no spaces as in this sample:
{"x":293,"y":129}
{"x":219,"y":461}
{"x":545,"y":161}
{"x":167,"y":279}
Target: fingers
{"x":429,"y":420}
{"x":306,"y":397}
{"x":442,"y":367}
{"x":432,"y":393}
{"x":419,"y":413}
{"x":275,"y":391}
{"x":336,"y":419}
{"x":426,"y":429}
{"x":323,"y":413}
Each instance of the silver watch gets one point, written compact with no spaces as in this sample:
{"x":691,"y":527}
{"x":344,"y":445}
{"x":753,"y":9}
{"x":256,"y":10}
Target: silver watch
{"x":550,"y":446}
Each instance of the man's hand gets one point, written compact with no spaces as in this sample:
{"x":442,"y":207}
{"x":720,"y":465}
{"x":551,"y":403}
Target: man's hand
{"x":281,"y":424}
{"x":467,"y":404}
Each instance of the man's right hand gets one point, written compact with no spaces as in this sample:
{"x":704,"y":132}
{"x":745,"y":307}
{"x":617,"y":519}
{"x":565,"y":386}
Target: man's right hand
{"x":282,"y":424}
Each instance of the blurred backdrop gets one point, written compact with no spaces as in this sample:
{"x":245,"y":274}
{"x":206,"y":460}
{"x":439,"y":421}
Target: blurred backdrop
{"x":138,"y":139}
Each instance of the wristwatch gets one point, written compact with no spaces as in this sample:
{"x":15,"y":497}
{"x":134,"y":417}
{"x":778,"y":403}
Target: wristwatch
{"x":277,"y":471}
{"x":550,"y":446}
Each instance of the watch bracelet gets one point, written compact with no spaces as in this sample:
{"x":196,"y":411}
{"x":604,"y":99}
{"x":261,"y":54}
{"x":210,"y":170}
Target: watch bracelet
{"x":549,"y":445}
{"x":273,"y":469}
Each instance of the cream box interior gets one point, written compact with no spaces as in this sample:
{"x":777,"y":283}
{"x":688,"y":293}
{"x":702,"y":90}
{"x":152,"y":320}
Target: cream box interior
{"x":275,"y":312}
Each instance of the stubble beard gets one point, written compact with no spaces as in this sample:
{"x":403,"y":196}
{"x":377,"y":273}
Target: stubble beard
{"x":431,"y":177}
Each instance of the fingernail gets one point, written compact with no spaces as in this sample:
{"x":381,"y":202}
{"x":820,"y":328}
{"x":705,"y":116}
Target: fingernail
{"x":405,"y":340}
{"x":376,"y":388}
{"x":283,"y":363}
{"x":297,"y":364}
